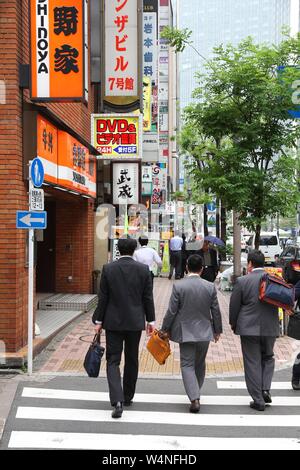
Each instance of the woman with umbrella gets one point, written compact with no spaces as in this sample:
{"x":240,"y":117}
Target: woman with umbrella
{"x":210,"y":258}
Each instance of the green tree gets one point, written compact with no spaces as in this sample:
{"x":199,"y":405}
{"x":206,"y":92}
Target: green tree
{"x":245,"y":139}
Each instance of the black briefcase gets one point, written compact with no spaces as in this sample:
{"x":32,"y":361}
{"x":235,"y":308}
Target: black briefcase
{"x":93,"y":357}
{"x":293,"y":329}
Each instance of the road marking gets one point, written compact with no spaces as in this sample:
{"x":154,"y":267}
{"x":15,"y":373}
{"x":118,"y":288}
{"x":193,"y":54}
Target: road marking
{"x":55,"y":394}
{"x":234,"y":385}
{"x":85,"y":441}
{"x":72,"y":414}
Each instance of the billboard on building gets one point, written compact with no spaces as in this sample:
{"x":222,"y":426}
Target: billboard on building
{"x":117,"y":136}
{"x":58,"y":33}
{"x":121,"y":48}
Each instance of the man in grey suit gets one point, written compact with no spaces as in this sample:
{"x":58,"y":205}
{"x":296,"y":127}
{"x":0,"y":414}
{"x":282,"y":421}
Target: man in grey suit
{"x":257,"y":324}
{"x":193,"y":319}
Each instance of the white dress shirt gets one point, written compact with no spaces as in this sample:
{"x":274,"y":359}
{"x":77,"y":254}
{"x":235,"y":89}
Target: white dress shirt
{"x":148,"y":256}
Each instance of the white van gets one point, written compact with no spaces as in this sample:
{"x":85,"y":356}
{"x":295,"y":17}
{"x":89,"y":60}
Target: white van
{"x":269,"y":245}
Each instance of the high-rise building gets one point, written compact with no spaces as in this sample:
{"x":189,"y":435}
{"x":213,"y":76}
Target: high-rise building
{"x":228,"y":21}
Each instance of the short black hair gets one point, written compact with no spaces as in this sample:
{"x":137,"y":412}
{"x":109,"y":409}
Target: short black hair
{"x":257,"y":258}
{"x":143,"y":240}
{"x":194,"y":263}
{"x":127,"y":246}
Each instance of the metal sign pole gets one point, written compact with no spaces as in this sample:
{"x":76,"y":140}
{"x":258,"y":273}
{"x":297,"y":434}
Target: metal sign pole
{"x":30,"y":286}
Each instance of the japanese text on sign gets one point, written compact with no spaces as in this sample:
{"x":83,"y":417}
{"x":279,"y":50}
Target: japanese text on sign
{"x":121,"y":48}
{"x":57,"y":52}
{"x":116,"y":137}
{"x":126,"y":183}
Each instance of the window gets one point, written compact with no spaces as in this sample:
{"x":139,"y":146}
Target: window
{"x":268,"y":241}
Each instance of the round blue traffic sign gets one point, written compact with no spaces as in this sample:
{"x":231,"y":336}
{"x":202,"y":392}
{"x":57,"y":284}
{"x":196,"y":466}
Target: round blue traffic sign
{"x":37,"y":173}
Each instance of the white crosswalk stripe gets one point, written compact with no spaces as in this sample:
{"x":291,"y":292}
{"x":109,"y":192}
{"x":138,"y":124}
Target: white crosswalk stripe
{"x":54,"y":418}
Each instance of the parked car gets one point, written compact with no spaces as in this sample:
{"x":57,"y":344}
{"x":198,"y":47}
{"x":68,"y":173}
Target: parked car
{"x":289,"y":261}
{"x":269,"y":245}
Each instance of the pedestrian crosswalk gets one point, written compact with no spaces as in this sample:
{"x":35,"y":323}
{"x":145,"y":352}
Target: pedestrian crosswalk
{"x":59,"y":418}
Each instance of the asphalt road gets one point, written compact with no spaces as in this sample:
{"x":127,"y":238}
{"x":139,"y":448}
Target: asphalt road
{"x":74,"y":413}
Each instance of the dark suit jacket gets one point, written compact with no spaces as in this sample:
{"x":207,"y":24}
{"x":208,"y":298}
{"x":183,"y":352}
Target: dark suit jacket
{"x":210,"y":272}
{"x":125,"y":296}
{"x":248,"y":316}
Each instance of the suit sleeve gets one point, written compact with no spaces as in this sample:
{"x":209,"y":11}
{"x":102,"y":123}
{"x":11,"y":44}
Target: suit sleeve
{"x":172,"y":310}
{"x":103,"y":298}
{"x":235,"y":304}
{"x":148,"y":301}
{"x":216,"y":313}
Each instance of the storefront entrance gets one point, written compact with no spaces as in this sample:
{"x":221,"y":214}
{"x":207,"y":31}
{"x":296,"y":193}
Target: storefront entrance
{"x":45,"y":269}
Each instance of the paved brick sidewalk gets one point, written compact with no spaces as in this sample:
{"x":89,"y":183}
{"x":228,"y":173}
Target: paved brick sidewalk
{"x":223,"y":357}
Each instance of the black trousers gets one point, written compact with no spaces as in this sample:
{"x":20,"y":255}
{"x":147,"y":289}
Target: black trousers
{"x":175,"y":262}
{"x":115,"y":341}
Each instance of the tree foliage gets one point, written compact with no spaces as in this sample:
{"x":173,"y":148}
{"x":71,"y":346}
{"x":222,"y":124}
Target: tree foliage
{"x":242,"y":140}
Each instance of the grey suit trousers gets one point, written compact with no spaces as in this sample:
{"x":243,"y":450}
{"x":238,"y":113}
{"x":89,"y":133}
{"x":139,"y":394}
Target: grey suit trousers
{"x":259,"y":364}
{"x":192,"y":363}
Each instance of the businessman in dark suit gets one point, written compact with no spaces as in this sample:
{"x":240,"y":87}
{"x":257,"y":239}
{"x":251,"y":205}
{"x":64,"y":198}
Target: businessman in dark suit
{"x":257,"y":323}
{"x":125,"y":304}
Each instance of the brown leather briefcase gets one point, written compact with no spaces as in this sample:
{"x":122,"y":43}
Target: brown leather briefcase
{"x":158,"y":347}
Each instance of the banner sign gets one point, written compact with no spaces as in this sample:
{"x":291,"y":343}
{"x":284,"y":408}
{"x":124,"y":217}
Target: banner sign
{"x":125,"y":183}
{"x":121,"y":48}
{"x":147,"y":104}
{"x":65,"y":160}
{"x":58,"y":35}
{"x":150,"y":46}
{"x":117,"y":136}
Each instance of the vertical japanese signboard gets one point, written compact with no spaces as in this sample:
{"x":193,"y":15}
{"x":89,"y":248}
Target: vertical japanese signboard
{"x":146,"y":104}
{"x":121,"y":49}
{"x":125,"y":183}
{"x":58,"y":50}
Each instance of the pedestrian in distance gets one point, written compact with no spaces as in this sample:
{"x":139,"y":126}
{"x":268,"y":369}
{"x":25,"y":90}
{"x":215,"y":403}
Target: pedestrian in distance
{"x":125,"y":304}
{"x":147,"y":255}
{"x":210,"y":262}
{"x":193,"y":319}
{"x":257,"y":323}
{"x":184,"y":257}
{"x":176,"y":244}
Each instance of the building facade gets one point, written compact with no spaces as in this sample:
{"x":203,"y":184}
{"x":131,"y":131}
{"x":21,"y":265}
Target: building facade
{"x":59,"y":133}
{"x":228,"y":21}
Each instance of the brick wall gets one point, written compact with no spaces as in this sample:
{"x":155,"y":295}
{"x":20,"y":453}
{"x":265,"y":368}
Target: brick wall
{"x":14,"y":50}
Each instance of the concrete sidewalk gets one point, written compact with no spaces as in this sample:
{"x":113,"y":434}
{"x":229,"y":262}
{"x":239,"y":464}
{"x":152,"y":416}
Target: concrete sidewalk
{"x":225,"y":357}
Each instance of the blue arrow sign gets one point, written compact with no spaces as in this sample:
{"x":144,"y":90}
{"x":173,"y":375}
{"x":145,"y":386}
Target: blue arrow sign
{"x":37,"y":173}
{"x":27,"y":220}
{"x":125,"y":149}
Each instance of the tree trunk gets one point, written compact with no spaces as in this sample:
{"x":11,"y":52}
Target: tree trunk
{"x":223,"y":229}
{"x":257,"y":236}
{"x":205,"y":221}
{"x":218,"y":202}
{"x":236,"y":247}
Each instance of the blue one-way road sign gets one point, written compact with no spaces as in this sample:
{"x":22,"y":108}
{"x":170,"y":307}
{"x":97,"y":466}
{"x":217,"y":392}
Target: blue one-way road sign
{"x":26,"y":219}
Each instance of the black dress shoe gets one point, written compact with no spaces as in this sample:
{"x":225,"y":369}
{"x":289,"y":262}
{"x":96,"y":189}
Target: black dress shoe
{"x":195,"y":406}
{"x":169,"y":277}
{"x":257,"y":406}
{"x":127,"y":402}
{"x":267,"y":396}
{"x":296,"y":384}
{"x":117,"y":413}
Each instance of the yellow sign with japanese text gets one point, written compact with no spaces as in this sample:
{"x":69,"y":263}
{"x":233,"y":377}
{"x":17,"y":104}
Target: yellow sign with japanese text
{"x":146,"y":104}
{"x":117,"y":136}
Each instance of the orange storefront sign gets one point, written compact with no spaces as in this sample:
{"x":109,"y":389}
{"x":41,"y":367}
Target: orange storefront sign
{"x":47,"y":136}
{"x":57,"y":49}
{"x":66,"y":161}
{"x":76,"y":169}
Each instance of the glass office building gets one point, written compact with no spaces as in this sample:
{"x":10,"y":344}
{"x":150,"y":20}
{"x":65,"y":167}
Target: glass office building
{"x":227,"y":21}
